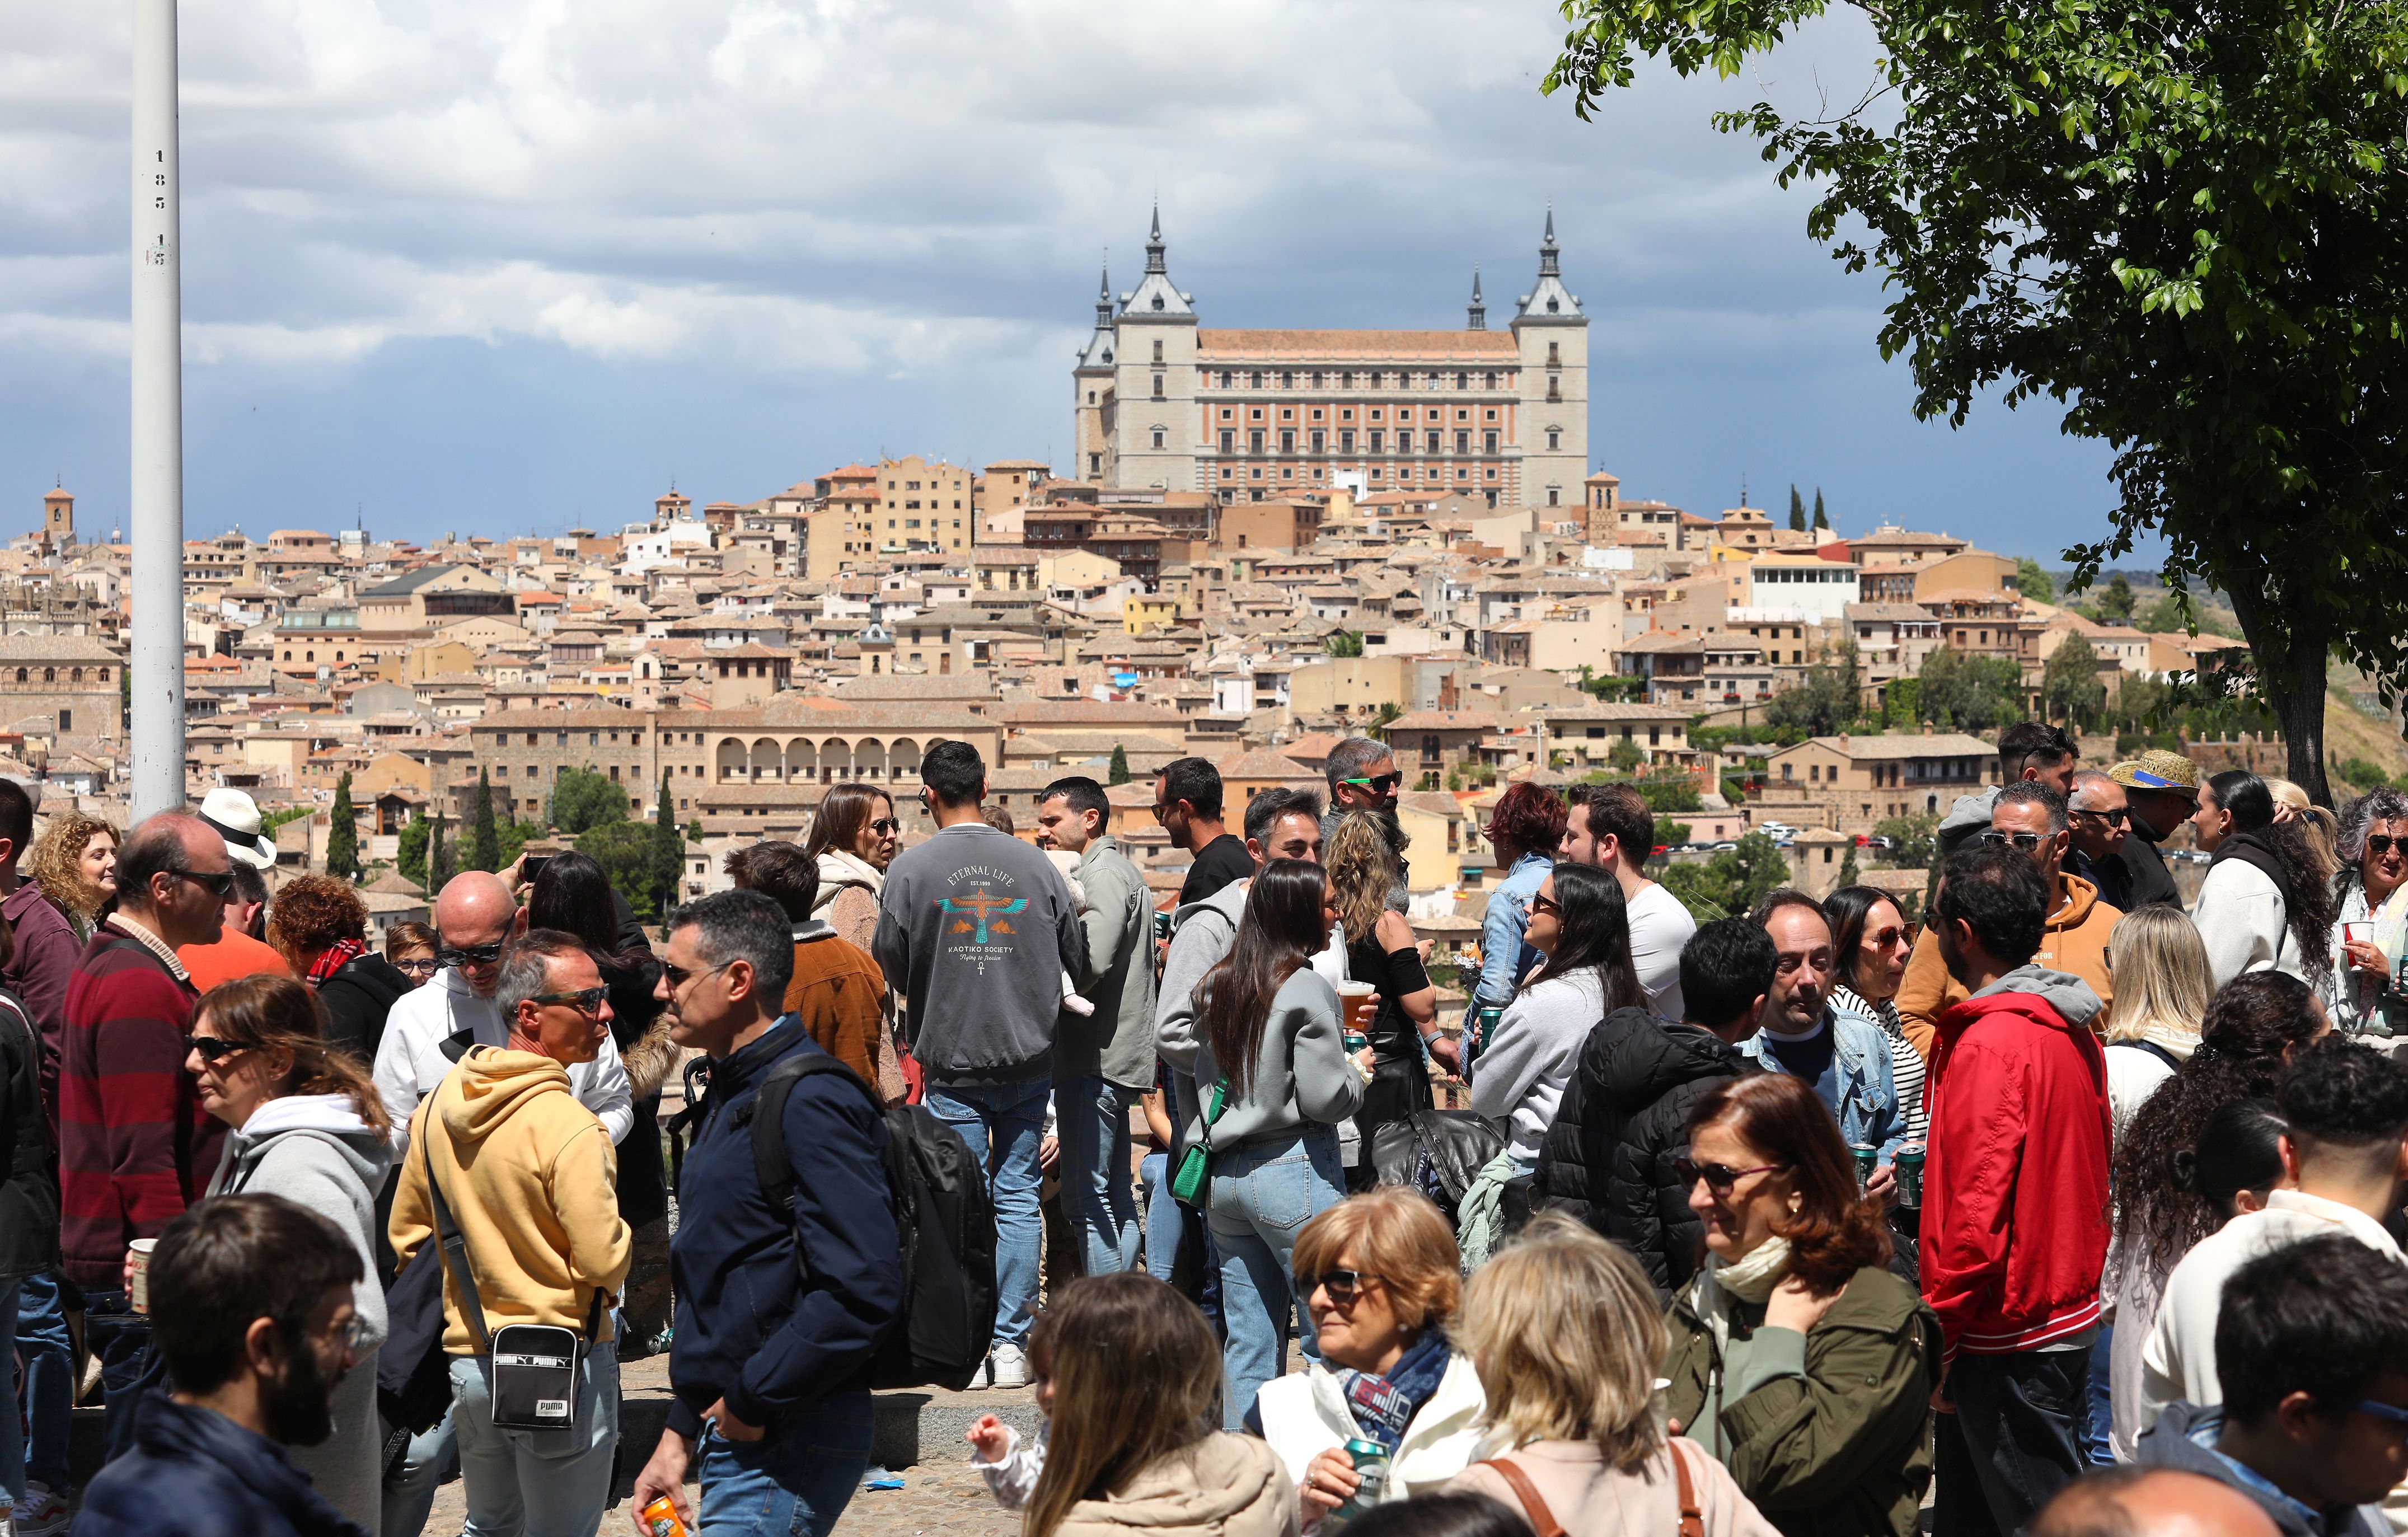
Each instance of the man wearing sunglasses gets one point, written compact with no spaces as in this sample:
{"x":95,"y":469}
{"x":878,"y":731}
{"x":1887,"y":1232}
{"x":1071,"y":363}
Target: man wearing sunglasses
{"x":2029,"y":752}
{"x":2313,"y":1422}
{"x":2099,"y":818}
{"x":1364,"y":777}
{"x":135,"y":1146}
{"x":2161,"y":792}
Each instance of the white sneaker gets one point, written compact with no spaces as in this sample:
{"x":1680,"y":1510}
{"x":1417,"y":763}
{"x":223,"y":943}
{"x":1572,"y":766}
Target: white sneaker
{"x":41,"y":1513}
{"x":1007,"y":1367}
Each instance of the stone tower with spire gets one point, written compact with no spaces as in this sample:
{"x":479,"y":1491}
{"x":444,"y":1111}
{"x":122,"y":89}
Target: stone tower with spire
{"x":1551,"y":335}
{"x":1147,"y":424}
{"x":1092,"y":387}
{"x":1476,"y":319}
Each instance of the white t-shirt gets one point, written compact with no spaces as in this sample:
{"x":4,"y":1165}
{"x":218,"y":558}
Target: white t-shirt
{"x":1660,"y":926}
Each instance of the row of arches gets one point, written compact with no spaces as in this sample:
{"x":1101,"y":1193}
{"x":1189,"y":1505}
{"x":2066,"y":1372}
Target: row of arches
{"x":803,"y":760}
{"x":50,"y":675}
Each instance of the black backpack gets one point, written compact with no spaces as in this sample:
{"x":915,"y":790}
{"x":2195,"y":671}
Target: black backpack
{"x":943,"y":1215}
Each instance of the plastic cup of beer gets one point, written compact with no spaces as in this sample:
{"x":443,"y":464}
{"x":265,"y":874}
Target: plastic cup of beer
{"x":1357,"y":997}
{"x":138,"y":1297}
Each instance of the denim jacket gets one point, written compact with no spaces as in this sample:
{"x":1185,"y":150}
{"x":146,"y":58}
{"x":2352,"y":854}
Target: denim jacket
{"x":1501,"y":932}
{"x":1868,"y":1113}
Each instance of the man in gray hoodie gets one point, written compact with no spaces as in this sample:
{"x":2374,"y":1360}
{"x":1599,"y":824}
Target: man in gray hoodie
{"x":2027,"y":749}
{"x":1102,"y":1060}
{"x":977,"y":928}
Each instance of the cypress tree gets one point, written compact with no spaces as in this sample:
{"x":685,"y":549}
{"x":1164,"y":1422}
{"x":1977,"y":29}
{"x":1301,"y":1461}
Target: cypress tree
{"x":485,"y":841}
{"x":343,"y":837}
{"x":1797,"y":510}
{"x":438,"y":858}
{"x":669,"y":853}
{"x":1820,"y":520}
{"x":1120,"y":774}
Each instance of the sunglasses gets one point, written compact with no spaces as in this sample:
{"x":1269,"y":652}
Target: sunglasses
{"x":884,"y":825}
{"x":1719,"y":1178}
{"x":2026,"y":841}
{"x":585,"y":1001}
{"x":481,"y":954}
{"x":1379,"y":784}
{"x":1881,"y":939}
{"x":209,"y":1049}
{"x":217,"y":883}
{"x":1342,"y":1285}
{"x":1546,"y":904}
{"x":2380,"y":843}
{"x":2115,"y":818}
{"x":679,"y":976}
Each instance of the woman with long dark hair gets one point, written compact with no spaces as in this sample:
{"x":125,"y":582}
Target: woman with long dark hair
{"x":1796,"y":1359}
{"x":1276,"y":1080}
{"x":2254,"y":1026}
{"x":2265,"y":905}
{"x":853,"y":836}
{"x":1871,"y":941}
{"x":1381,"y":951}
{"x":572,"y":894}
{"x":2370,"y":900}
{"x":1577,"y":921}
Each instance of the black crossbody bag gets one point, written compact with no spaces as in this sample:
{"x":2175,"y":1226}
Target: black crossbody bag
{"x":535,"y":1366}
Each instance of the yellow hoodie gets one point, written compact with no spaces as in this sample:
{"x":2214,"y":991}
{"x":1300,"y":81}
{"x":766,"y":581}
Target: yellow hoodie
{"x":532,"y":1181}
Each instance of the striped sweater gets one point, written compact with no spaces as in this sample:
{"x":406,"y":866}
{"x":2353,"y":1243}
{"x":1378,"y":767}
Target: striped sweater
{"x":135,"y":1146}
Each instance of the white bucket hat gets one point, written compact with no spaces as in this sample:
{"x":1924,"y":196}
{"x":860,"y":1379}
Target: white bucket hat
{"x":235,"y":818}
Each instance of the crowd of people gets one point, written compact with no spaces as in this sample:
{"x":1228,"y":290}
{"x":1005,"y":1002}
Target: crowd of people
{"x":2063,"y":1210}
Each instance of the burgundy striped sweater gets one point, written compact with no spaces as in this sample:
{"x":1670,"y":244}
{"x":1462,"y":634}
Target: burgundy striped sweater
{"x":135,"y":1146}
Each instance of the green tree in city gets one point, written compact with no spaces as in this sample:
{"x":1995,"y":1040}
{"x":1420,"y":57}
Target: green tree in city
{"x":1626,"y":755}
{"x":484,"y":840}
{"x":669,"y":853}
{"x":1831,"y":697}
{"x":1900,"y":703}
{"x":1377,"y":729}
{"x":2032,"y":581}
{"x":1849,"y":874}
{"x":1820,"y":520}
{"x":1343,"y":643}
{"x":694,"y":832}
{"x":625,"y":851}
{"x":1960,"y":693}
{"x":409,"y":855}
{"x":1118,"y":773}
{"x":1796,"y":508}
{"x":2069,"y":689}
{"x":1913,"y":839}
{"x":343,"y":835}
{"x":439,"y":867}
{"x":2117,"y":602}
{"x":2180,"y":222}
{"x":581,"y":798}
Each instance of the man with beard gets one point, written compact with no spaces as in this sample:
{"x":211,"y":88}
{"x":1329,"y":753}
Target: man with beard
{"x":1363,"y":777}
{"x":250,"y":1307}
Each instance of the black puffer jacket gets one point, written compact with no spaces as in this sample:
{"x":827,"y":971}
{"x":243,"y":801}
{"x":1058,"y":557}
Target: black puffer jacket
{"x":1608,"y":1160}
{"x":29,"y":1180}
{"x":357,"y":998}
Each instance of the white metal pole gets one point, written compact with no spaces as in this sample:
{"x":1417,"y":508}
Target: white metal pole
{"x":157,"y":659}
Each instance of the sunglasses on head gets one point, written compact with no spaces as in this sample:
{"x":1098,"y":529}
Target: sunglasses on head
{"x":477,"y":955}
{"x":1379,"y":784}
{"x":2026,"y":841}
{"x":208,"y":1048}
{"x":1341,"y":1286}
{"x":1720,"y":1178}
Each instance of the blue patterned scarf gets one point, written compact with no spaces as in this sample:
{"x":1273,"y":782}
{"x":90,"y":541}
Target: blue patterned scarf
{"x":1382,"y":1406}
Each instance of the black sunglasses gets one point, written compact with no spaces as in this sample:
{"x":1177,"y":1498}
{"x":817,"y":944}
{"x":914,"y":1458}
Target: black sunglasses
{"x":1719,"y":1178}
{"x":1379,"y":784}
{"x":1341,"y":1286}
{"x":217,"y":883}
{"x":585,"y":1001}
{"x":885,"y":825}
{"x":2026,"y":841}
{"x":679,"y":976}
{"x":2384,"y":844}
{"x":2113,"y":819}
{"x":480,"y":955}
{"x":1541,"y":903}
{"x":210,"y":1049}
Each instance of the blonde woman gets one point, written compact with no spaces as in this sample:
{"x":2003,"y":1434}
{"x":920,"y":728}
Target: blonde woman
{"x":1564,"y":1330}
{"x":2162,"y":986}
{"x":2324,"y":829}
{"x":1381,"y":951}
{"x":75,"y":863}
{"x":1131,"y":1445}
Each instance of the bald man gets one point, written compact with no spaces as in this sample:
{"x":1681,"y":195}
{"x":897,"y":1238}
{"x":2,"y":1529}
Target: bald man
{"x":432,"y":1028}
{"x":2134,"y":1502}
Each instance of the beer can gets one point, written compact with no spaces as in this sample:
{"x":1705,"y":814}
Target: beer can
{"x":1910,"y":1174}
{"x":1161,"y":927}
{"x":661,"y":1519}
{"x":1865,"y":1155}
{"x":1371,"y":1461}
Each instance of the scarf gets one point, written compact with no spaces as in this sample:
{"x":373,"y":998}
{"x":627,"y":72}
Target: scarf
{"x":1382,"y":1407}
{"x":337,"y":956}
{"x":1751,"y":1280}
{"x":840,"y":869}
{"x":1480,"y":1217}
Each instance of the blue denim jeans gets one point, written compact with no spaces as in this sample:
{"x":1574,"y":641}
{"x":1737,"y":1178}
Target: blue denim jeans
{"x":1261,"y":1193}
{"x":537,"y":1483}
{"x":12,"y":1427}
{"x":1003,"y":1123}
{"x":43,"y":1341}
{"x":409,"y":1490}
{"x":795,"y":1481}
{"x":1091,"y":1117}
{"x":1162,"y":1216}
{"x":2099,"y":1445}
{"x":121,"y":1338}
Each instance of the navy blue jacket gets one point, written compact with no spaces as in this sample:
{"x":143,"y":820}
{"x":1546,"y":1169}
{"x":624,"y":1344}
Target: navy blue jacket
{"x":748,"y":1328}
{"x":194,"y":1472}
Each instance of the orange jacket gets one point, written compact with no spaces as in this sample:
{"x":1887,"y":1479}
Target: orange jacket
{"x":2074,"y":941}
{"x":842,"y":994}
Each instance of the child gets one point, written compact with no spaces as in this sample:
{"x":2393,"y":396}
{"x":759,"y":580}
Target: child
{"x":1012,"y":1469}
{"x":1133,"y":1381}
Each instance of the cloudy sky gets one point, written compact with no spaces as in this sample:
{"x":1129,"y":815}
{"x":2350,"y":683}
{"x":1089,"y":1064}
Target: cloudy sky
{"x":515,"y":265}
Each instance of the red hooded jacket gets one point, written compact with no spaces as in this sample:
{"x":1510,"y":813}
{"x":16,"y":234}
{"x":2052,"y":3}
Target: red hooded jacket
{"x":2014,"y":1209}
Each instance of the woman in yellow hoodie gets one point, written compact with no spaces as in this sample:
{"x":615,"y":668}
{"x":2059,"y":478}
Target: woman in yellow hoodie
{"x":529,"y":1177}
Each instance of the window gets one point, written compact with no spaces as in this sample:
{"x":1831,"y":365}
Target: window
{"x":1157,"y":386}
{"x":1319,"y":440}
{"x":1287,"y":440}
{"x":1346,"y":381}
{"x":1255,"y":380}
{"x":1229,"y":440}
{"x":1375,"y":413}
{"x":1555,"y":496}
{"x":1554,"y":438}
{"x":1490,"y":381}
{"x":1489,"y":442}
{"x":1375,"y":439}
{"x":1463,"y":382}
{"x":1157,"y":357}
{"x":1554,"y":355}
{"x":1227,"y":415}
{"x":1316,"y":381}
{"x":1433,"y":441}
{"x":1288,"y":413}
{"x":1255,"y":441}
{"x":1463,"y":442}
{"x":1158,"y":444}
{"x":1287,"y":378}
{"x":67,"y":719}
{"x":1345,"y":441}
{"x":50,"y":675}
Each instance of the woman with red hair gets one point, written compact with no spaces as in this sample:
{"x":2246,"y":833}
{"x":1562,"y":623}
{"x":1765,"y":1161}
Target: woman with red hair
{"x":1523,"y":831}
{"x":1796,"y":1359}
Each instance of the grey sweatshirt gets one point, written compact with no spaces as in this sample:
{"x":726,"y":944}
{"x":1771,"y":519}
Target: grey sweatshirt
{"x":1301,"y":1077}
{"x":1520,"y":1077}
{"x":315,"y":1151}
{"x":1970,"y":815}
{"x":976,"y":929}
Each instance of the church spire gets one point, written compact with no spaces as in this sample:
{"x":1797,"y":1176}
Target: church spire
{"x":1547,"y":252}
{"x":1104,"y":299}
{"x":1153,"y":246}
{"x":1477,"y":320}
